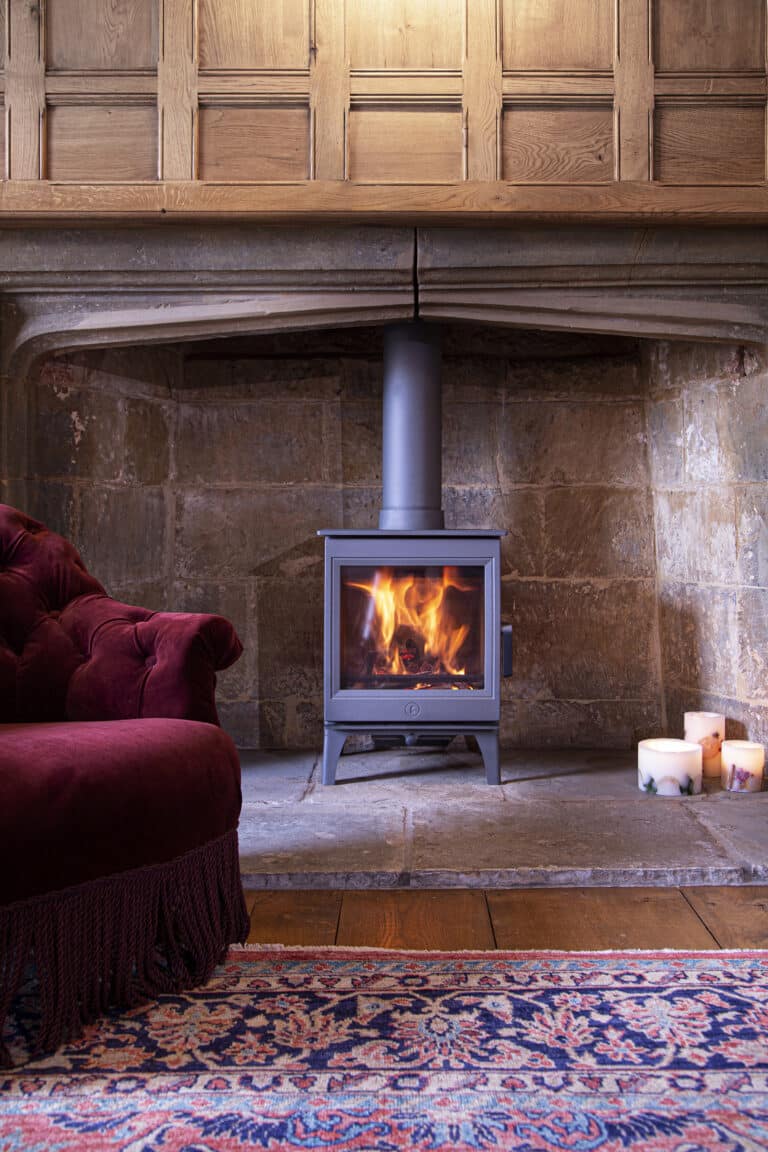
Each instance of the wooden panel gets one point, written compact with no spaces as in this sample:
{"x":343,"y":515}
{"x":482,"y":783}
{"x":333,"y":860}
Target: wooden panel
{"x":477,"y":202}
{"x":708,"y":35}
{"x":392,"y":145}
{"x":2,"y":142}
{"x":300,"y":918}
{"x":451,"y":919}
{"x":101,"y":33}
{"x":249,"y":34}
{"x":633,"y":74}
{"x":591,"y":919}
{"x":736,"y":917}
{"x":24,"y":95}
{"x":329,"y":79}
{"x":562,"y":144}
{"x":258,"y":143}
{"x":87,"y":143}
{"x":2,"y":35}
{"x":709,"y":143}
{"x":177,"y":91}
{"x":482,"y":92}
{"x":405,"y":33}
{"x":557,"y":34}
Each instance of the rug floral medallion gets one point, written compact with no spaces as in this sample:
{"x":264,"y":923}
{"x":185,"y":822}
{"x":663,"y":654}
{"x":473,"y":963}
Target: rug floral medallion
{"x":376,"y":1050}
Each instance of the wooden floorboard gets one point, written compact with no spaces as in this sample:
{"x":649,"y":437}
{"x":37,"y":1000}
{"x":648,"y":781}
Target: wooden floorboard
{"x":431,"y":920}
{"x":736,"y":917}
{"x":582,"y":919}
{"x":304,"y":918}
{"x":595,"y":919}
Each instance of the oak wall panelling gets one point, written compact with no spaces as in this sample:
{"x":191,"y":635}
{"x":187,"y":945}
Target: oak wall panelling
{"x":87,"y":142}
{"x":558,"y":35}
{"x":389,"y":143}
{"x":418,"y":34}
{"x":101,"y":34}
{"x":560,"y":142}
{"x":254,"y":142}
{"x":708,"y":141}
{"x":707,"y":36}
{"x":241,"y":34}
{"x":572,"y":94}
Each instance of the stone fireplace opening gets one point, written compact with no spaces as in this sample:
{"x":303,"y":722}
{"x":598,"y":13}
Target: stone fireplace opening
{"x":629,"y":474}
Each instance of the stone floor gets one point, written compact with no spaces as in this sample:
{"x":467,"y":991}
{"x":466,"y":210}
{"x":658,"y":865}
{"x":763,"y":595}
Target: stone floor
{"x":428,"y":820}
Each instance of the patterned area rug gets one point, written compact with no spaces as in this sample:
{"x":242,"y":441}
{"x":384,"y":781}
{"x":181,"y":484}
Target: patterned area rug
{"x":373,"y":1050}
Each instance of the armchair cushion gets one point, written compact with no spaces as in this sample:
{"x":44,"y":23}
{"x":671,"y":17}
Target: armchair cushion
{"x":79,"y":801}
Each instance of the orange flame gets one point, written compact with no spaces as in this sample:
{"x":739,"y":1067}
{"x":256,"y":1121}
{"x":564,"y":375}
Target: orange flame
{"x":410,"y":625}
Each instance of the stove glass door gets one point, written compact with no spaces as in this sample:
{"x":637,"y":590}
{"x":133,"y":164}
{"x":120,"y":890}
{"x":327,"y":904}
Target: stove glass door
{"x":417,"y":627}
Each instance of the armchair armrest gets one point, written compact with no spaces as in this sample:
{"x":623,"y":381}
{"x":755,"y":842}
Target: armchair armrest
{"x":138,"y":663}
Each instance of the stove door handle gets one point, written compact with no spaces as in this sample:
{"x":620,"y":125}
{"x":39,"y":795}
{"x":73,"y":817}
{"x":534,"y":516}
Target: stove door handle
{"x":506,"y":649}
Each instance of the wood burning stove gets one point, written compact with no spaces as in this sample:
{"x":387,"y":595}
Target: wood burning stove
{"x":413,"y":633}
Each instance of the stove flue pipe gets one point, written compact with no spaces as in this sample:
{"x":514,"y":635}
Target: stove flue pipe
{"x":412,"y":429}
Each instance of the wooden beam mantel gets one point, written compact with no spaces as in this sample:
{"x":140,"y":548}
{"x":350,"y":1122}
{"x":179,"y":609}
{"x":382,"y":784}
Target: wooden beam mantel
{"x":467,"y":203}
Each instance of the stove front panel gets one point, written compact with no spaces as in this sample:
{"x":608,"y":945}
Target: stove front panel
{"x":412,"y":629}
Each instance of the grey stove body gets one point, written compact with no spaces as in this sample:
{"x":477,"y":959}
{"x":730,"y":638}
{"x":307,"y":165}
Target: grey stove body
{"x":413,"y":643}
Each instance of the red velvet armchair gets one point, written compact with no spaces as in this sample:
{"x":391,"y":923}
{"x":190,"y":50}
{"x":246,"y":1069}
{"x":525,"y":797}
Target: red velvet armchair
{"x":119,"y":792}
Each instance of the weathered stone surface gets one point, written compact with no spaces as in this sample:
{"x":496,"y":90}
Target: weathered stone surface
{"x":275,"y":442}
{"x":360,"y":508}
{"x":752,"y":534}
{"x":665,"y":440}
{"x":242,"y":720}
{"x":753,"y":644}
{"x":53,"y":503}
{"x":77,"y":433}
{"x":471,"y":443}
{"x":257,"y":378}
{"x":280,"y":847}
{"x":153,"y":371}
{"x":581,"y":377}
{"x":520,"y":514}
{"x":696,"y":536}
{"x":475,"y":380}
{"x":294,"y":721}
{"x":599,"y":532}
{"x":682,"y":362}
{"x":122,"y":533}
{"x":740,"y":824}
{"x":579,"y":723}
{"x":582,"y":640}
{"x":289,"y":624}
{"x":726,"y":432}
{"x":226,"y":533}
{"x":699,"y":637}
{"x":562,"y":442}
{"x":360,"y":423}
{"x":147,"y":441}
{"x":269,"y":778}
{"x":566,"y":841}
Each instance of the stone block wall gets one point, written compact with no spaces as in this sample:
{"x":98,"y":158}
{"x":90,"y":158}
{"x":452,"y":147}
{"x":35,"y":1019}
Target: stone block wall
{"x":195,"y":477}
{"x":708,"y":417}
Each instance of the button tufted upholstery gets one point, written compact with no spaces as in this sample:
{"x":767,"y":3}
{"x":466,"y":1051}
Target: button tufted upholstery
{"x":70,"y":652}
{"x":119,"y":793}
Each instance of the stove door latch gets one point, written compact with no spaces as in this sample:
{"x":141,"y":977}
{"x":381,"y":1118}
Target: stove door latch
{"x":506,"y":649}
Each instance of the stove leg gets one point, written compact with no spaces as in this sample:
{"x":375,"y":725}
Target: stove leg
{"x":333,"y":742}
{"x":488,"y":743}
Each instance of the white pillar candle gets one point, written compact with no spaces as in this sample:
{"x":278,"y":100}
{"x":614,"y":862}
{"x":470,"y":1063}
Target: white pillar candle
{"x":707,"y":729}
{"x":669,"y":767}
{"x":743,"y":763}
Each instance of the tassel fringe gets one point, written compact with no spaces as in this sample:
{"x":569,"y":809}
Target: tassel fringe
{"x":121,"y":940}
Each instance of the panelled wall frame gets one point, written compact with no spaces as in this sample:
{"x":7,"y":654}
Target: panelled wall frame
{"x":417,"y":109}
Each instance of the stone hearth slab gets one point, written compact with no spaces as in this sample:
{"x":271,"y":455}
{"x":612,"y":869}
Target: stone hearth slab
{"x":428,"y":819}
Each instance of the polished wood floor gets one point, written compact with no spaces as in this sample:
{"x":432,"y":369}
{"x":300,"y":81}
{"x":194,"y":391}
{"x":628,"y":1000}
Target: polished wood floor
{"x":588,"y":919}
